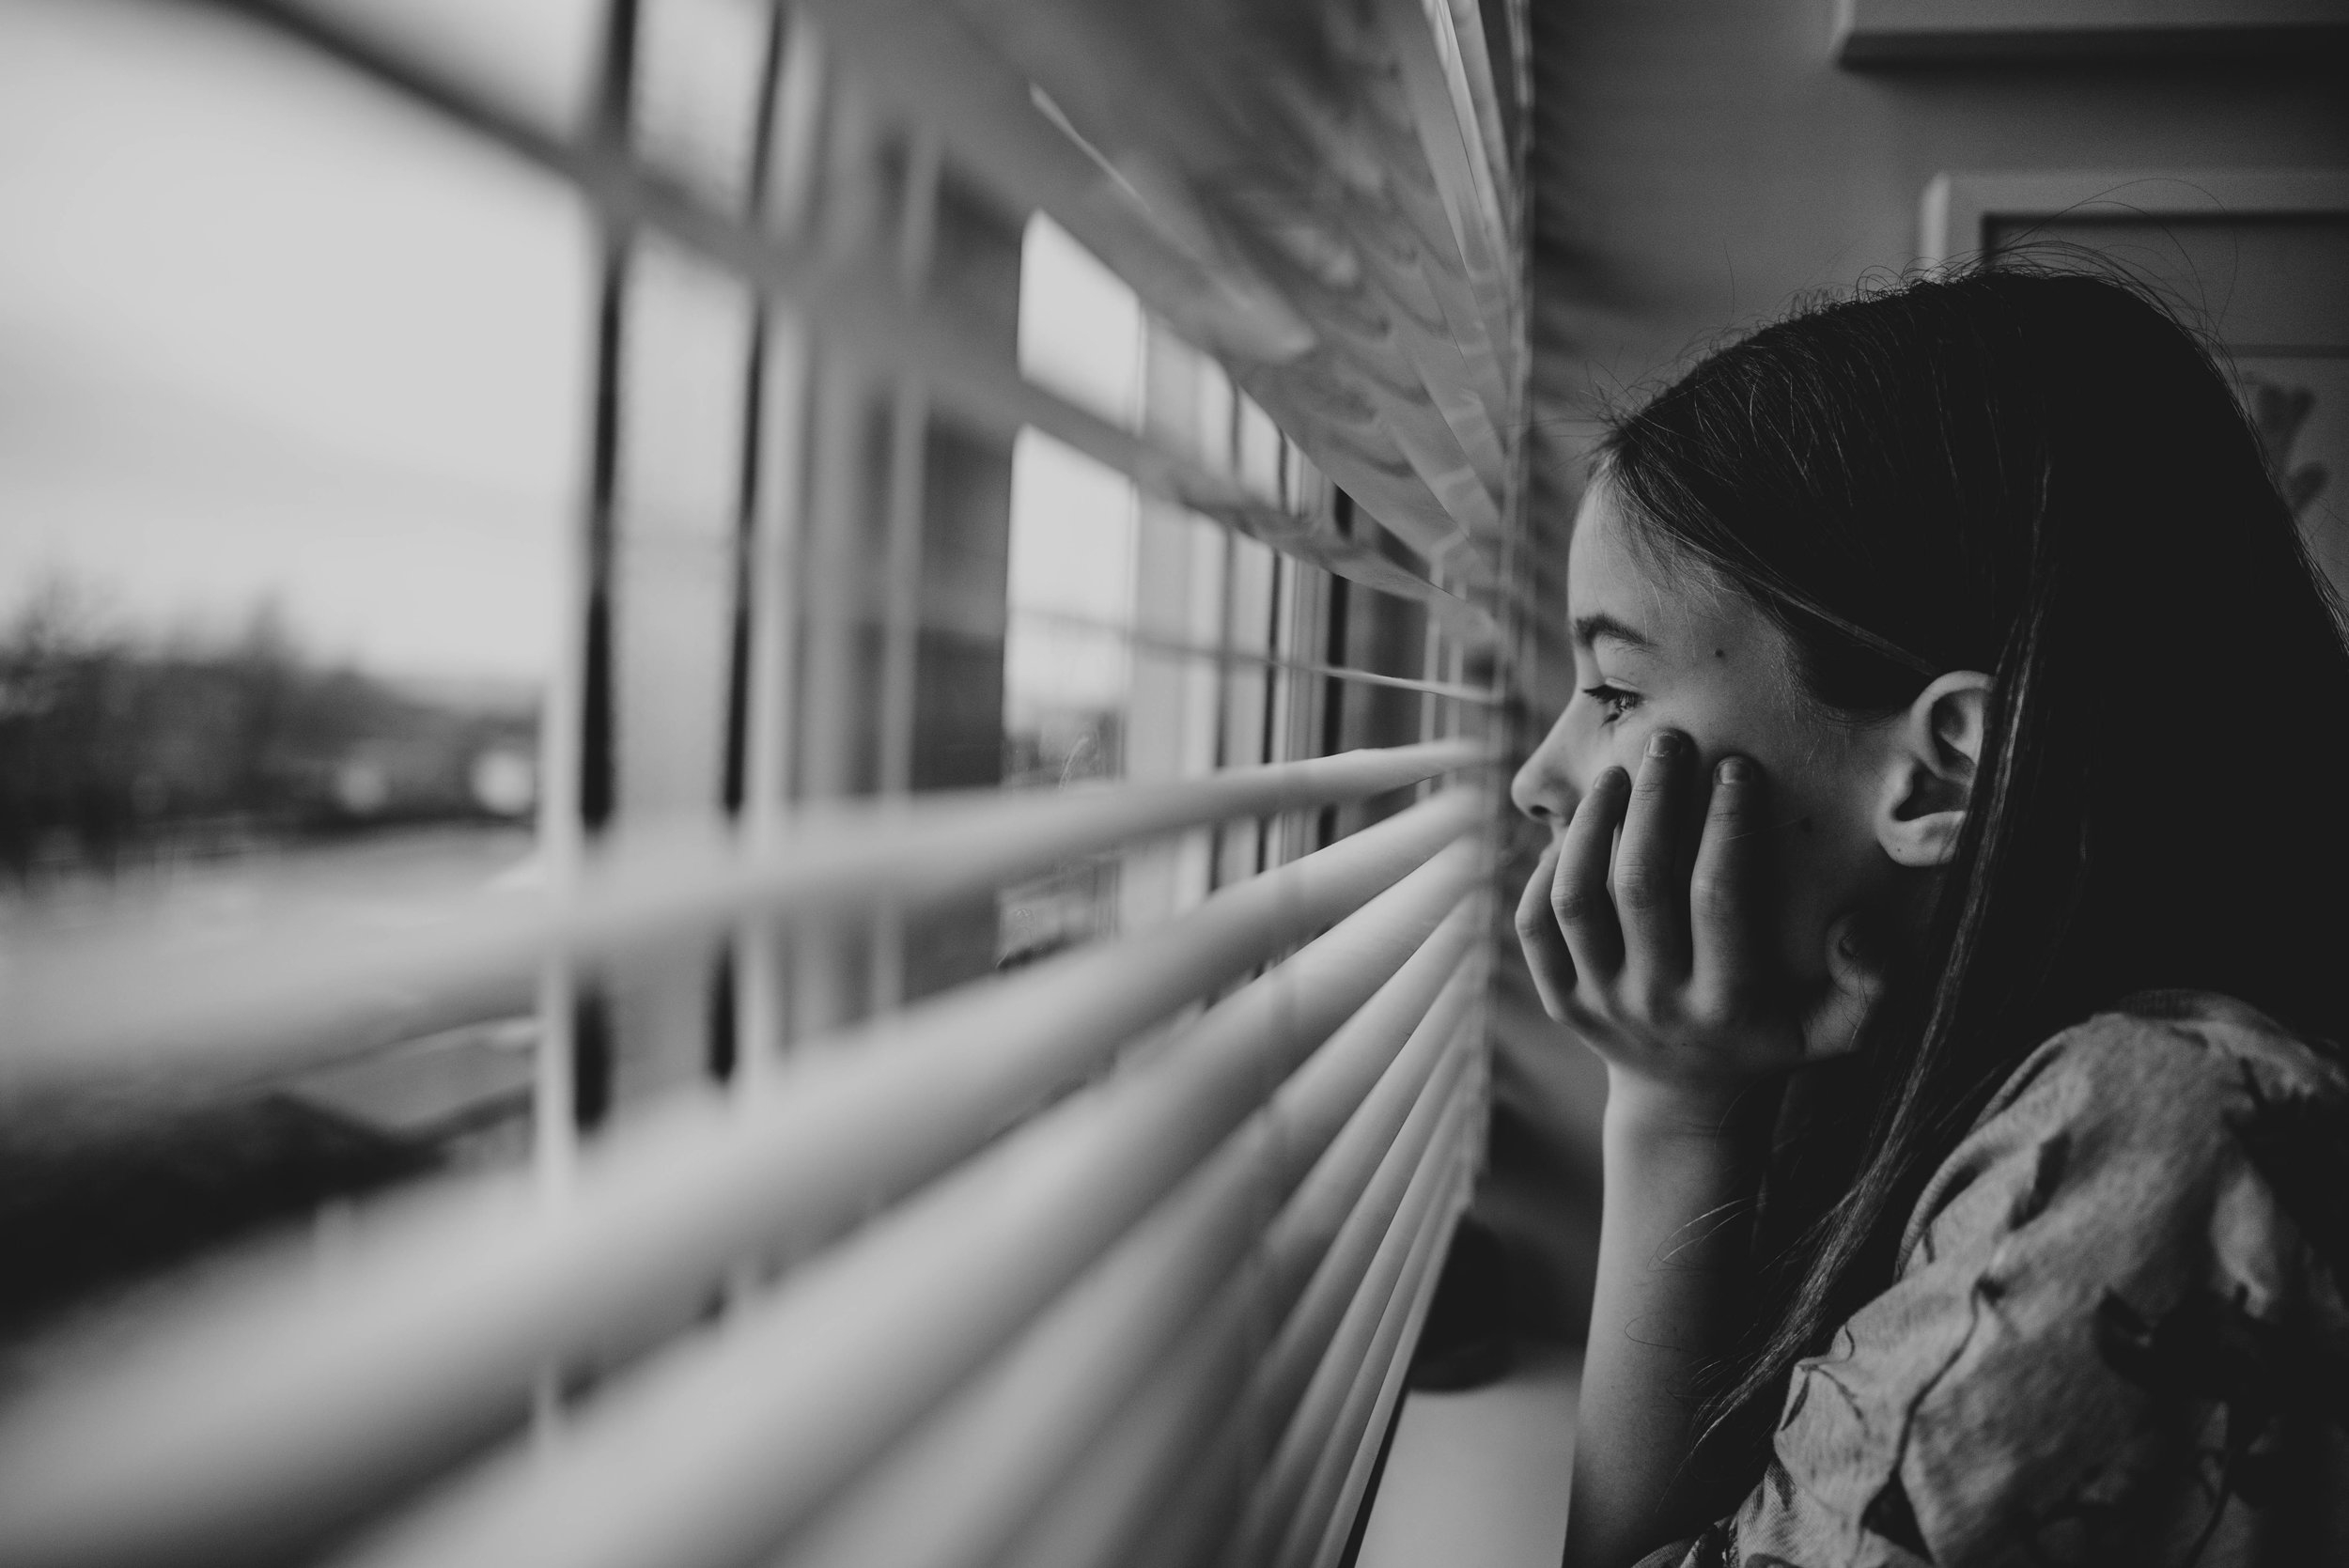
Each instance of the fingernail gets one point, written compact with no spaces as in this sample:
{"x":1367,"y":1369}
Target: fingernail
{"x":1735,"y":770}
{"x":1663,"y":743}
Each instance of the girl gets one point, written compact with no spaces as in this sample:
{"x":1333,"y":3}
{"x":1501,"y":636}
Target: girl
{"x":1958,"y":713}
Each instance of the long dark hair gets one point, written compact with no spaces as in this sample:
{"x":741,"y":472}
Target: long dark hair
{"x":2044,"y":476}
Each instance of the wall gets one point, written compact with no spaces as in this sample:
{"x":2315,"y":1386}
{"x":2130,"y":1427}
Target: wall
{"x":1699,"y":162}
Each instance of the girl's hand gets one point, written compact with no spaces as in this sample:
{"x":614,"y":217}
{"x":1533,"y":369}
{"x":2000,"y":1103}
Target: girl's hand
{"x":1668,"y":975}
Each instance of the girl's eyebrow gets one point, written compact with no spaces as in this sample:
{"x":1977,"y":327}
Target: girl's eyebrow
{"x":1588,"y":629}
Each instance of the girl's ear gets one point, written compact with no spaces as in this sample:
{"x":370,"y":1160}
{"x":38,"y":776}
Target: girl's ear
{"x":1930,"y":776}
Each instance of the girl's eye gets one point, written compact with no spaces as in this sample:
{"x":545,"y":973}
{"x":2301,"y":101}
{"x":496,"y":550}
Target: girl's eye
{"x":1614,"y":699}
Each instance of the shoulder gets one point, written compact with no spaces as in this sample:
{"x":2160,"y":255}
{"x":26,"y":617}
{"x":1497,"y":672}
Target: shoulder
{"x":2144,"y":1224}
{"x":2165,"y":1087}
{"x":2157,"y":1042}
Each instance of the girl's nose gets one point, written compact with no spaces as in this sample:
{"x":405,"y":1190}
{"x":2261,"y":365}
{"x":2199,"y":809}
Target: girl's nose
{"x":1542,"y":791}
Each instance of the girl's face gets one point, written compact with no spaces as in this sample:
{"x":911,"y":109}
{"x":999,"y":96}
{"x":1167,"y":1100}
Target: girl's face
{"x":1657,"y":647}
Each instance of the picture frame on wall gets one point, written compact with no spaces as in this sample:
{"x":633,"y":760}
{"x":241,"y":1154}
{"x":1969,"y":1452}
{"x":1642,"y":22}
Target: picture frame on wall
{"x":2257,"y":259}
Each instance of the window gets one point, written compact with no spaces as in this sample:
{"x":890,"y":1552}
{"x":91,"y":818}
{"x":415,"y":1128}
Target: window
{"x":1002,"y":978}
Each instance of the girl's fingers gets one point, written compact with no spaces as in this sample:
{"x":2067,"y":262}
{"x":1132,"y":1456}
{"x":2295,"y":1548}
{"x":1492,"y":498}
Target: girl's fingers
{"x":1724,"y":891}
{"x":1650,"y":887}
{"x":1578,"y":899}
{"x":1544,"y":945}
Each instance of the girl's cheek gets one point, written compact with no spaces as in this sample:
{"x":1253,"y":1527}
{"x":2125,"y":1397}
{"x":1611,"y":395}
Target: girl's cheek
{"x":1627,"y":742}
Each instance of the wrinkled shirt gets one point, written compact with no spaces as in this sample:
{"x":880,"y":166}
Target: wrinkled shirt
{"x":2116,"y":1332}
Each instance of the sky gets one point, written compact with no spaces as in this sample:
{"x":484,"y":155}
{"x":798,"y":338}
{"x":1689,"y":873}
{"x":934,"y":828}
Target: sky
{"x":268,"y":333}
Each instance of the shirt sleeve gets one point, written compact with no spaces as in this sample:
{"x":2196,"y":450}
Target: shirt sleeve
{"x":2109,"y":1332}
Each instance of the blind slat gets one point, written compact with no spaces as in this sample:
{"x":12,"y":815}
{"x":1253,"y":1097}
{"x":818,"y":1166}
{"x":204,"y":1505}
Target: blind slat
{"x":1199,"y":1521}
{"x":1324,"y":1516}
{"x":684,"y":1466}
{"x":873,"y":319}
{"x":283,"y":1399}
{"x":965,"y":1486}
{"x":1227,"y":656}
{"x":1174,"y":1456}
{"x":293,"y":993}
{"x":1403,"y":399}
{"x":1029,"y":1308}
{"x":930,"y":61}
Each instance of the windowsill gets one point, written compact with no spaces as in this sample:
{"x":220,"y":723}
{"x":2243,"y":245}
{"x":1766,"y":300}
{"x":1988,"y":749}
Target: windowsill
{"x":1478,"y":1479}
